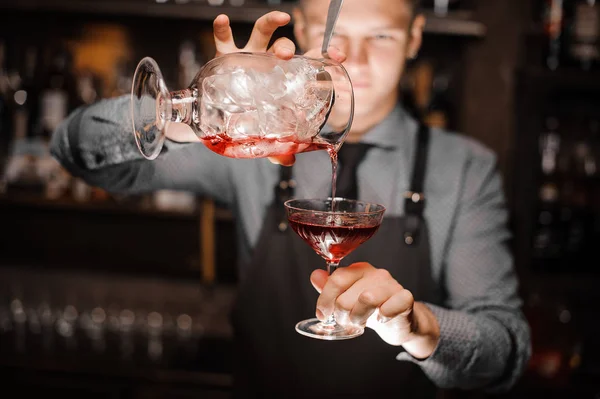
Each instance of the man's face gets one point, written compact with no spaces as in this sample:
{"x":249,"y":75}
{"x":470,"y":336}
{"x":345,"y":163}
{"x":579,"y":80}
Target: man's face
{"x":376,"y":36}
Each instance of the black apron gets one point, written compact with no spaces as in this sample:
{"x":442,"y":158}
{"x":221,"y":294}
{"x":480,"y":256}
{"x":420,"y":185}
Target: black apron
{"x":273,"y":360}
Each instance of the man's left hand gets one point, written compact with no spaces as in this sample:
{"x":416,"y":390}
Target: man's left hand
{"x":363,"y":295}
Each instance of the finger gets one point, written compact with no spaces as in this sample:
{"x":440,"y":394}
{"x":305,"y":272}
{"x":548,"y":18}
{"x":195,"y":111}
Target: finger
{"x":181,"y":133}
{"x":283,"y":48}
{"x":264,"y":28}
{"x":338,"y":283}
{"x":369,"y":300}
{"x":333,"y":52}
{"x":400,"y":303}
{"x":336,"y":54}
{"x":284,"y":160}
{"x":223,"y":35}
{"x":318,"y":278}
{"x":375,"y":279}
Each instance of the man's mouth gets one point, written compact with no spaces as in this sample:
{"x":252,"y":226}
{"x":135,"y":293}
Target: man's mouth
{"x":360,"y":85}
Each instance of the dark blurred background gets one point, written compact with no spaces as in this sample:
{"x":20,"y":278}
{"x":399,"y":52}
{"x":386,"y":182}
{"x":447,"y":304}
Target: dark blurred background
{"x":127,"y":296}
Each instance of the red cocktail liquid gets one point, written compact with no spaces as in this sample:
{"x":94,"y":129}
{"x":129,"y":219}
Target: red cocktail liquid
{"x":332,"y":241}
{"x":249,"y":148}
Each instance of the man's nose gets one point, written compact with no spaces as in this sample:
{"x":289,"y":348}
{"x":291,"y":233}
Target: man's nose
{"x":357,"y":53}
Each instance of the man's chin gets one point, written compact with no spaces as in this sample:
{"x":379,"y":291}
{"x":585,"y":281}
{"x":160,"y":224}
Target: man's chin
{"x":364,"y":103}
{"x":364,"y":114}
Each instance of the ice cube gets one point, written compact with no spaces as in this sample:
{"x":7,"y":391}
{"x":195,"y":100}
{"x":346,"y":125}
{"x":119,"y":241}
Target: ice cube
{"x":271,"y":85}
{"x":212,"y":119}
{"x":314,"y":107}
{"x":241,"y":88}
{"x":317,"y":115}
{"x":299,"y":73}
{"x":287,"y":102}
{"x":244,"y":125}
{"x":277,"y":122}
{"x":307,"y":130}
{"x":215,"y":91}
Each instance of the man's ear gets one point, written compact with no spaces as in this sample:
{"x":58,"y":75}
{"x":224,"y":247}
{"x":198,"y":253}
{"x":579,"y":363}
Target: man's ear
{"x":300,"y":29}
{"x":416,"y":36}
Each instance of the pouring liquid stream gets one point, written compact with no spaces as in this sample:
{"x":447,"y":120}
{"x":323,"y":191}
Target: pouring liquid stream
{"x":334,"y":166}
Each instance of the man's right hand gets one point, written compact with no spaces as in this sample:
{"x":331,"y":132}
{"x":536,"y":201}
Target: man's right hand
{"x":259,"y":41}
{"x":263,"y":30}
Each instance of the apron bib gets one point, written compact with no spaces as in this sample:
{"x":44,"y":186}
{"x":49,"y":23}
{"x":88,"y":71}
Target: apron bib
{"x":273,"y":360}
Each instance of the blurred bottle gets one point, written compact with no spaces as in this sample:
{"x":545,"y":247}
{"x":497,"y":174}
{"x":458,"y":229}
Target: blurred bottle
{"x":88,"y":88}
{"x":407,"y":91}
{"x":188,"y":66}
{"x":441,"y":7}
{"x":553,"y":25}
{"x":548,"y":235}
{"x":58,"y":96}
{"x":58,"y":92}
{"x":22,"y":173}
{"x":27,"y":96}
{"x":440,"y":111}
{"x":430,"y":96}
{"x":575,"y":221}
{"x":579,"y":166}
{"x":123,"y":79}
{"x":423,"y":74}
{"x":19,"y":319}
{"x":88,"y":91}
{"x":582,"y":19}
{"x":5,"y":115}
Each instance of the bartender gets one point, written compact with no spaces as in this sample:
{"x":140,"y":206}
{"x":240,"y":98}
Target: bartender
{"x":435,"y":287}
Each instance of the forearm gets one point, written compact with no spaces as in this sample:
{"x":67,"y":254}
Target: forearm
{"x":485,"y":349}
{"x":95,"y":137}
{"x":97,"y":144}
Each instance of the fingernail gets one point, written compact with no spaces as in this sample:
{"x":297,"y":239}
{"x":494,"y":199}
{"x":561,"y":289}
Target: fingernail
{"x":287,"y":51}
{"x":382,"y":319}
{"x":338,"y":51}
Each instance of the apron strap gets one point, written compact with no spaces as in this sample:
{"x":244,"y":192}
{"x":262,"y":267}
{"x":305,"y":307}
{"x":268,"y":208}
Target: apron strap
{"x":284,"y":190}
{"x":414,"y":199}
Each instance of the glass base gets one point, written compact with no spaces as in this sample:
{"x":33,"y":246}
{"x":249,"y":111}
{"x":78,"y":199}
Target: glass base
{"x":314,"y":328}
{"x":151,"y":108}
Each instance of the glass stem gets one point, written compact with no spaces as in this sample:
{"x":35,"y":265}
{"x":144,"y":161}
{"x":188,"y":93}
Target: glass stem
{"x":184,"y":106}
{"x":331,"y":267}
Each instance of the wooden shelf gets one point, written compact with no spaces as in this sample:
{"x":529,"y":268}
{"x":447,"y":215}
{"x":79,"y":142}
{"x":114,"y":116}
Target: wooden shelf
{"x":148,"y":8}
{"x":457,"y":23}
{"x":108,"y":206}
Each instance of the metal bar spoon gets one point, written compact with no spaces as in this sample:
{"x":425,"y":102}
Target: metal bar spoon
{"x":335,"y":6}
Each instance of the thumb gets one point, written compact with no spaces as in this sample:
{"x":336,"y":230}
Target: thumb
{"x":318,"y":278}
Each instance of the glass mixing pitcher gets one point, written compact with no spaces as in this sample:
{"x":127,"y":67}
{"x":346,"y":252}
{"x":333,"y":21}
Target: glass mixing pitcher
{"x":247,"y":105}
